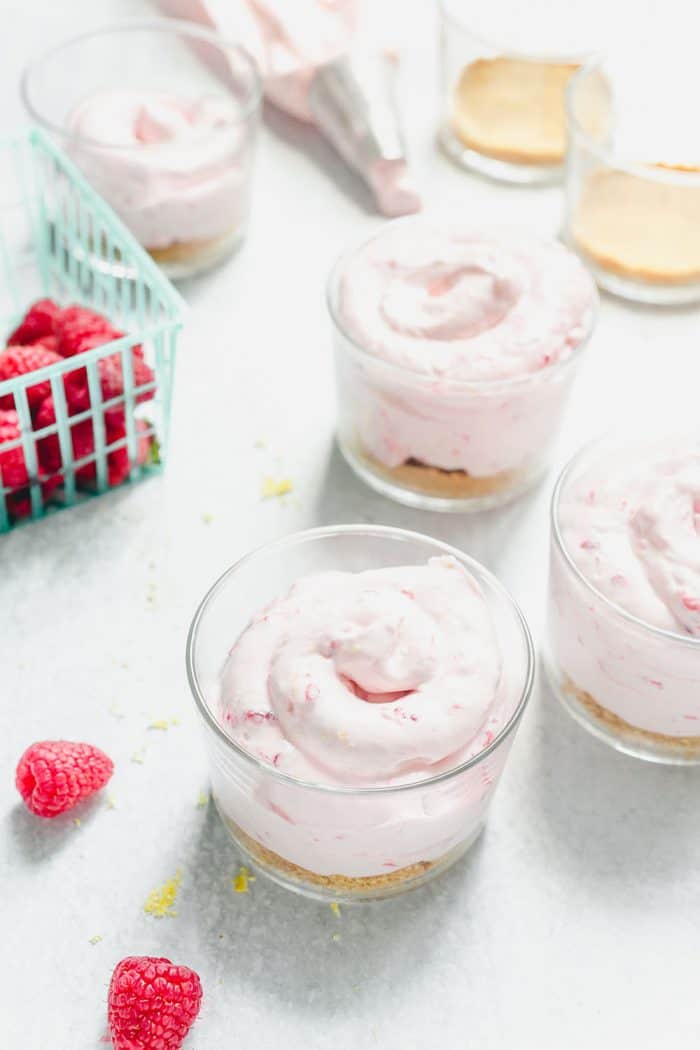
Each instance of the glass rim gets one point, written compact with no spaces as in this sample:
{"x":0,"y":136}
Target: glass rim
{"x":474,"y":385}
{"x":563,"y":478}
{"x":174,"y":26}
{"x":384,"y":531}
{"x":607,"y":155}
{"x":549,"y":57}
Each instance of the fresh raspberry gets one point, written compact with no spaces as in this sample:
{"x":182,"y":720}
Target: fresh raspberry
{"x":79,"y":329}
{"x":54,"y":775}
{"x":111,"y":376}
{"x":13,"y":468}
{"x":83,"y":443}
{"x":17,"y":361}
{"x":152,"y":1004}
{"x":38,"y":322}
{"x":14,"y":474}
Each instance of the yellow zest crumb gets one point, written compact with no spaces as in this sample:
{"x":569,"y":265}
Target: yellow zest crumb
{"x":203,"y":800}
{"x":161,"y":901}
{"x":272,"y":488}
{"x":260,"y":443}
{"x":159,"y":723}
{"x":96,"y":939}
{"x":335,"y":937}
{"x":335,"y":908}
{"x":76,"y":821}
{"x":111,"y":804}
{"x":342,"y":735}
{"x":242,"y":879}
{"x":174,"y":721}
{"x":207,"y":518}
{"x":138,"y":757}
{"x":115,"y":711}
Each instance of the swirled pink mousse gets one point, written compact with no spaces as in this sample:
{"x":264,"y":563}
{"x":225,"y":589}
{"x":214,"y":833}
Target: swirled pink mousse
{"x":175,"y":170}
{"x":374,"y":678}
{"x":631,"y":525}
{"x":451,"y":306}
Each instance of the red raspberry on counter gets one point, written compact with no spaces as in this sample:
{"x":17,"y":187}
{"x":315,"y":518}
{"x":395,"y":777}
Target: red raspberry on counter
{"x":152,"y":1004}
{"x":18,"y":361}
{"x":38,"y":322}
{"x":54,"y":775}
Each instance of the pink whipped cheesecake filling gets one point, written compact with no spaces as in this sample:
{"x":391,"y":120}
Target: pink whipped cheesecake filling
{"x":631,"y":525}
{"x":450,"y":307}
{"x":366,"y":679}
{"x":174,"y":169}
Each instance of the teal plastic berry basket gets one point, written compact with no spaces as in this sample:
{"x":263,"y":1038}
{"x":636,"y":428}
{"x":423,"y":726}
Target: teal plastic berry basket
{"x":59,"y":240}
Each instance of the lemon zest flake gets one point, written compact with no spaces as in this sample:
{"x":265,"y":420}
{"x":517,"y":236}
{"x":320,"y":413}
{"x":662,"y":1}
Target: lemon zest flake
{"x":96,"y":939}
{"x":242,"y":880}
{"x":335,"y":908}
{"x":161,"y":901}
{"x":207,"y":518}
{"x":203,"y":800}
{"x":159,"y":723}
{"x":272,"y":488}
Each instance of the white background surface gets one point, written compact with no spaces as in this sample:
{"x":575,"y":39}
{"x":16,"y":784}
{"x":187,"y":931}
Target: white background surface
{"x":574,"y":922}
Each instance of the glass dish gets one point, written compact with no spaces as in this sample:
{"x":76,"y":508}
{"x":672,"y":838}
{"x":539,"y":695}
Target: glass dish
{"x":632,"y":684}
{"x":184,"y":188}
{"x":503,"y":429}
{"x":503,"y":98}
{"x":633,"y":179}
{"x":347,"y":843}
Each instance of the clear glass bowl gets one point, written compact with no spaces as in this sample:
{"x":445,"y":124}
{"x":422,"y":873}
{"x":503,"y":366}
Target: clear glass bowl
{"x":185,"y":199}
{"x":503,"y":98}
{"x":505,"y":428}
{"x":633,"y":178}
{"x":631,"y":684}
{"x":329,"y":842}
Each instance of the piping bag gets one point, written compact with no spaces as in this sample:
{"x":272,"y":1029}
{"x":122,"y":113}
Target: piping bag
{"x":311,"y":70}
{"x":353,"y":102}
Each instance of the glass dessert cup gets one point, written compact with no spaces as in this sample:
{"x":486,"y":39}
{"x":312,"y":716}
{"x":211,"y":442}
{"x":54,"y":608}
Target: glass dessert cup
{"x":335,"y":842}
{"x":633,"y":180}
{"x":632,"y":684}
{"x":504,"y":427}
{"x":181,"y":187}
{"x":503,"y":108}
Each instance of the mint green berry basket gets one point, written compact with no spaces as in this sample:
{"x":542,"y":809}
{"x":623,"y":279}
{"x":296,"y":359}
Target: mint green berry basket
{"x":59,"y":240}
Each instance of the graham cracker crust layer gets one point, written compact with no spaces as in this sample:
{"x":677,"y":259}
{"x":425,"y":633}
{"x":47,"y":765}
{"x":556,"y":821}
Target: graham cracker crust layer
{"x":687,"y":745}
{"x":638,"y":228}
{"x":513,"y":109}
{"x":189,"y":251}
{"x":434,"y":481}
{"x":346,"y":883}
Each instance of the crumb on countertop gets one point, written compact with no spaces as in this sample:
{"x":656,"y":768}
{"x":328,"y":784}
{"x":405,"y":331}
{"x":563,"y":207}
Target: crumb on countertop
{"x":161,"y":901}
{"x":96,"y":939}
{"x":274,"y":488}
{"x":203,"y":800}
{"x":138,"y":757}
{"x":207,"y":518}
{"x":335,"y":908}
{"x":241,"y":881}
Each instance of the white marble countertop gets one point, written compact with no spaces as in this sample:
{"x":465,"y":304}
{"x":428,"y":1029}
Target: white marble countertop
{"x":574,"y":922}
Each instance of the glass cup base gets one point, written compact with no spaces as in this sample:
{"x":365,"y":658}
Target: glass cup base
{"x":612,"y":730}
{"x":636,"y":291}
{"x":382,"y":482}
{"x":180,"y":261}
{"x":493,"y":168}
{"x":338,"y":888}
